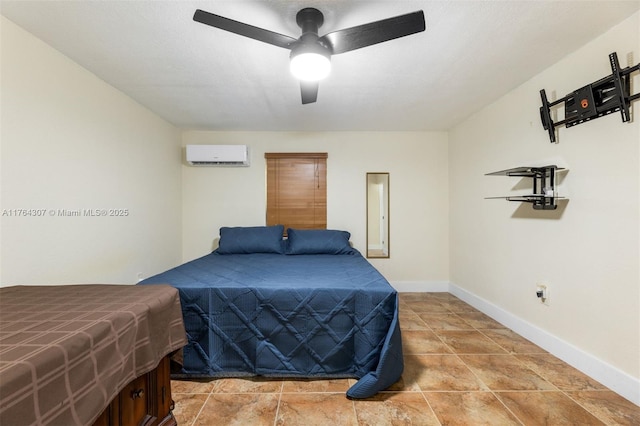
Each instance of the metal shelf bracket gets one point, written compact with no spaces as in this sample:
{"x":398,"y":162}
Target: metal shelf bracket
{"x":544,"y":195}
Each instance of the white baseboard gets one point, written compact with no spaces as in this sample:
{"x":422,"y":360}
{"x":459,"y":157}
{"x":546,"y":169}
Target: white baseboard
{"x":421,"y":286}
{"x":610,"y":376}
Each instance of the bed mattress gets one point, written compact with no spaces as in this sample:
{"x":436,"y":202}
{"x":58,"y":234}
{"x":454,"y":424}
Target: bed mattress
{"x":289,"y":316}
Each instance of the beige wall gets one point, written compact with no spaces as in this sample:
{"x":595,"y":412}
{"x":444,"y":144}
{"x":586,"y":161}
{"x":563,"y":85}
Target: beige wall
{"x":587,"y":253}
{"x":417,"y":163}
{"x":72,"y":142}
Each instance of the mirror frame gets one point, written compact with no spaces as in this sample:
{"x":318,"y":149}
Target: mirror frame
{"x":383,"y":225}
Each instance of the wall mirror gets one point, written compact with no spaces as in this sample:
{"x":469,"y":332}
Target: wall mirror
{"x":378,"y":215}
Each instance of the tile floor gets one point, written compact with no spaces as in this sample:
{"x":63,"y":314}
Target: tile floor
{"x":461,"y":368}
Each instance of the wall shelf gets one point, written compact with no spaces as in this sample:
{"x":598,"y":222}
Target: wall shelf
{"x":544,"y":195}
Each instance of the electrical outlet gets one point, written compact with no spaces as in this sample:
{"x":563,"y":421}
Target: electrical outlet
{"x":542,"y":293}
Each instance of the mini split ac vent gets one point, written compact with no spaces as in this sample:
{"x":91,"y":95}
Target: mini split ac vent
{"x":218,"y":155}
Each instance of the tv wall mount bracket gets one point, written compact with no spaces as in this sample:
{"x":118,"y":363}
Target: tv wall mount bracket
{"x":603,"y":97}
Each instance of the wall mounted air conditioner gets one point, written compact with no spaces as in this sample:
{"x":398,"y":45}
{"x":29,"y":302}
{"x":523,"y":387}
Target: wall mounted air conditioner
{"x":218,"y":155}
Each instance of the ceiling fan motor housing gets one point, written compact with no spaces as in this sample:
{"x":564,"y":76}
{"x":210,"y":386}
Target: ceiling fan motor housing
{"x":309,"y":19}
{"x":305,"y":62}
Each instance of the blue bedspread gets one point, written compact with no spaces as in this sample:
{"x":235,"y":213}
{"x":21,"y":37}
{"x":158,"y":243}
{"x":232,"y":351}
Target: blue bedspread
{"x":289,"y":316}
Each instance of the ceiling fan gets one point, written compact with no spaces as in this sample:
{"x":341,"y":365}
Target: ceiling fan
{"x":311,"y":54}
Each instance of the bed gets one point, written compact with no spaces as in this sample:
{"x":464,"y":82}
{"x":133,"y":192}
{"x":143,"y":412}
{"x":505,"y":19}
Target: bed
{"x":309,"y":306}
{"x":67,"y":351}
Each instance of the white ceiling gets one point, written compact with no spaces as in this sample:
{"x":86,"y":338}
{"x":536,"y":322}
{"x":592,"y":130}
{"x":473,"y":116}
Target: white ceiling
{"x":199,"y":77}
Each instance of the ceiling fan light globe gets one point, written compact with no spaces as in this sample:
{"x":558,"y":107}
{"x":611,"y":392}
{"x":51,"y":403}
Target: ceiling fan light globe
{"x":310,"y":66}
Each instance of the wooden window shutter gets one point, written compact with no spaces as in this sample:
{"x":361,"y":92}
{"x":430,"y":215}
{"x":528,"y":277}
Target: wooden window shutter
{"x":297,"y":190}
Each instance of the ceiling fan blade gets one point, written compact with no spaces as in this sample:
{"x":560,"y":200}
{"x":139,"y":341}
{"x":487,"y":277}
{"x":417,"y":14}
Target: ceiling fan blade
{"x":243,"y":29}
{"x":309,"y":91}
{"x":374,"y":32}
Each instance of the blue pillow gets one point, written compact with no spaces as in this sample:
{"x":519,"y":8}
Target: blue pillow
{"x":318,"y":241}
{"x":251,"y":239}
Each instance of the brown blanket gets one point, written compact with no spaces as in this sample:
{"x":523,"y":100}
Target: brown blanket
{"x":67,"y":351}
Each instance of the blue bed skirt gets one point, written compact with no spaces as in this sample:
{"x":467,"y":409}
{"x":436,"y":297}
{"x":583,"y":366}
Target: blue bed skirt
{"x":275,"y":315}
